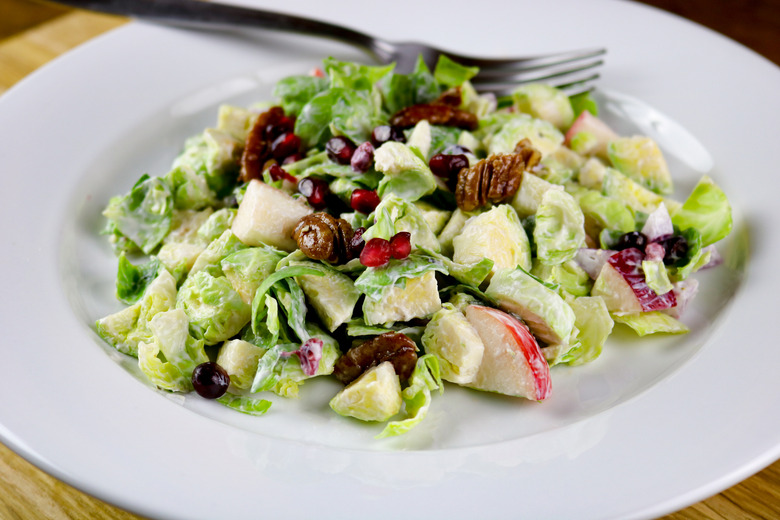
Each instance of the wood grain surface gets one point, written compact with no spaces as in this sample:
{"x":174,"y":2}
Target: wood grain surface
{"x":28,"y":493}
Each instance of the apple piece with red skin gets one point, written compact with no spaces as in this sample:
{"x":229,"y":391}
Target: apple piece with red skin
{"x":587,"y":122}
{"x":512,"y":363}
{"x":622,"y":284}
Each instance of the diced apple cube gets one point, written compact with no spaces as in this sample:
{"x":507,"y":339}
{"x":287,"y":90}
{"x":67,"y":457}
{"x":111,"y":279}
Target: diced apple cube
{"x":268,"y":216}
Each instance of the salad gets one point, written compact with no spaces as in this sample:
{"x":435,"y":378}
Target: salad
{"x":396,"y":231}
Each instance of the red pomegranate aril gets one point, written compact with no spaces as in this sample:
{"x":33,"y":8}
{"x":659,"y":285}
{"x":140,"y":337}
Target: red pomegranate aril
{"x":285,"y":124}
{"x":375,"y":253}
{"x":277,"y":173}
{"x":293,"y":158}
{"x":340,"y":149}
{"x":286,"y":144}
{"x":210,"y":380}
{"x":363,"y":157}
{"x":447,"y":166}
{"x":364,"y":201}
{"x":384,"y":133}
{"x":401,"y":245}
{"x":315,"y":190}
{"x":357,"y":243}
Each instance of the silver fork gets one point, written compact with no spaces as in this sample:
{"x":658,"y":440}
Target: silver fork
{"x":574,"y":71}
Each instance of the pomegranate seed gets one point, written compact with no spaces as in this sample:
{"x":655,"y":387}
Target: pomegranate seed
{"x":316,"y":191}
{"x":293,"y":158}
{"x":286,"y":144}
{"x":363,"y":157}
{"x":375,"y":253}
{"x":401,"y":245}
{"x":384,"y":133}
{"x":210,"y":380}
{"x":364,"y":201}
{"x":340,"y":149}
{"x":277,"y":173}
{"x":631,"y":239}
{"x":447,"y":166}
{"x":285,"y":124}
{"x":357,"y":243}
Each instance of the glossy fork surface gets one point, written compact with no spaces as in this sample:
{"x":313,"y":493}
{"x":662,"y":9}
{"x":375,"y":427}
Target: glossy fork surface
{"x":574,"y":71}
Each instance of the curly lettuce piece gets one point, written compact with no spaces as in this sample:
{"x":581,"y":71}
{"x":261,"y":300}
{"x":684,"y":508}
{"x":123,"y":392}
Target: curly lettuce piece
{"x":132,"y":281}
{"x":190,"y":190}
{"x":640,"y":159}
{"x":339,"y":111}
{"x":544,"y":311}
{"x":435,"y":218}
{"x":402,"y":90}
{"x":616,"y":185}
{"x":239,"y":359}
{"x":294,"y":92}
{"x":375,"y":281}
{"x":569,"y":276}
{"x":656,"y":276}
{"x":247,"y":268}
{"x":496,"y":235}
{"x":236,"y":121}
{"x":452,"y":229}
{"x":593,"y":325}
{"x":418,"y":298}
{"x":417,"y":396}
{"x":216,"y":224}
{"x":219,"y":249}
{"x":127,"y":328}
{"x":583,"y":102}
{"x":603,"y":212}
{"x":260,"y":308}
{"x":707,"y":210}
{"x":543,"y":135}
{"x":393,"y":215}
{"x":420,"y":139}
{"x":144,"y":215}
{"x":374,"y":396}
{"x":560,"y":166}
{"x":172,"y":354}
{"x":406,"y":175}
{"x":455,"y":343}
{"x":332,"y":295}
{"x":179,"y":257}
{"x":280,"y":369}
{"x":213,"y":155}
{"x":527,"y":199}
{"x":216,"y":311}
{"x":356,"y":76}
{"x":652,"y":322}
{"x":560,"y":228}
{"x":469,"y":274}
{"x":451,"y":73}
{"x":545,"y":102}
{"x":247,"y":405}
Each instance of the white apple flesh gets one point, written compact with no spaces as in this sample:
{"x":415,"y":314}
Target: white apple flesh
{"x":512,"y":363}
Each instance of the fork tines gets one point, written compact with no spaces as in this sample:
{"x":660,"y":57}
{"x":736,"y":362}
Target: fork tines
{"x":574,"y":71}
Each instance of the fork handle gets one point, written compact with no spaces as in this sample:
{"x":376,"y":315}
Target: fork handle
{"x":200,"y":14}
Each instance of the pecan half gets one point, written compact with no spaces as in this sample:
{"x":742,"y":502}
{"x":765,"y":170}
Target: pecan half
{"x":436,"y":114}
{"x":257,"y":149}
{"x":496,"y":178}
{"x":321,"y":236}
{"x":390,"y":346}
{"x":452,"y":97}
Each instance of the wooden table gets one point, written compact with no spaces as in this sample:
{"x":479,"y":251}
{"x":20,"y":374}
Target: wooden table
{"x":28,"y":493}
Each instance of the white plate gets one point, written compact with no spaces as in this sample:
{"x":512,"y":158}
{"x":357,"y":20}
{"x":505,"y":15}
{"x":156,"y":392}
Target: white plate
{"x":650,"y":427}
